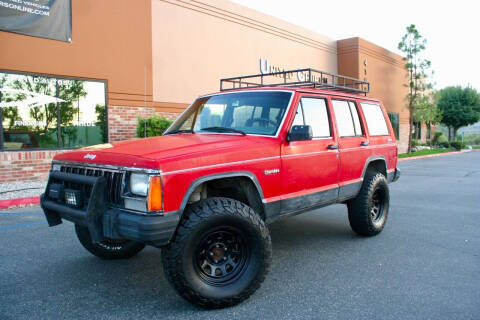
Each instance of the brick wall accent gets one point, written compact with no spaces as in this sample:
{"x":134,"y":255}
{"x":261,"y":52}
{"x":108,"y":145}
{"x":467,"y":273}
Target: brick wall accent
{"x":122,"y":121}
{"x":25,"y":165}
{"x":402,"y":142}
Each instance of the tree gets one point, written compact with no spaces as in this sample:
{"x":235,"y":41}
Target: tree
{"x":9,"y":114}
{"x":427,"y":110}
{"x":413,"y":44}
{"x":460,"y":107}
{"x":102,"y":120}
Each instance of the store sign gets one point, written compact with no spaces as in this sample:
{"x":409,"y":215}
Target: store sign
{"x":266,"y":67}
{"x":51,"y":19}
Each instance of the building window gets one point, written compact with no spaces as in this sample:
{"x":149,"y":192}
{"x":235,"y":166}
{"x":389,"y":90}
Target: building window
{"x":417,"y":131}
{"x":395,"y":123}
{"x":41,"y":112}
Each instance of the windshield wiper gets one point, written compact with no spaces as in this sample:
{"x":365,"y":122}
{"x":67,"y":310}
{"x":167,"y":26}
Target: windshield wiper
{"x":223,"y":129}
{"x":179,"y":131}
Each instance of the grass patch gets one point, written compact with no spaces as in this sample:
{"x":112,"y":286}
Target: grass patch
{"x":476,"y":147}
{"x":424,"y":152}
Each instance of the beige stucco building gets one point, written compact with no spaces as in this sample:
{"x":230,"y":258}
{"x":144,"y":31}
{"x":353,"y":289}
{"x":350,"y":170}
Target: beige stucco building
{"x":156,"y":56}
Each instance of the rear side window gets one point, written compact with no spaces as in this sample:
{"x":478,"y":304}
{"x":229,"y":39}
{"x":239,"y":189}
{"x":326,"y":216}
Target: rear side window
{"x":348,"y":122}
{"x":313,"y":112}
{"x":375,"y":119}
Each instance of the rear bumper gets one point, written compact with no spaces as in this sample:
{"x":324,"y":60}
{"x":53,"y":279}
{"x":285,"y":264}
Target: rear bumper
{"x":104,"y":222}
{"x":394,"y":176}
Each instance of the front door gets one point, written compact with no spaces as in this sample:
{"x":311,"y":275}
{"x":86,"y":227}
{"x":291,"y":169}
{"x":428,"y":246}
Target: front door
{"x":310,"y":168}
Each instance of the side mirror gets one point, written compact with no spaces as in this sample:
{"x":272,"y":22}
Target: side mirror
{"x":300,"y":133}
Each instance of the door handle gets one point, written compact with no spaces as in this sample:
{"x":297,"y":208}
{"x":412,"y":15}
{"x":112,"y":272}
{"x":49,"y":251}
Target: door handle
{"x":332,"y":146}
{"x":364,"y":143}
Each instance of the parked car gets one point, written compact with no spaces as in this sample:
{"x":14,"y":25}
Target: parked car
{"x":233,"y":162}
{"x":19,"y":140}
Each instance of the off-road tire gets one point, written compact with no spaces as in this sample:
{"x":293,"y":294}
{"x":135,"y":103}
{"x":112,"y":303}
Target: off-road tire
{"x":187,"y":265}
{"x":108,"y":249}
{"x":373,"y":197}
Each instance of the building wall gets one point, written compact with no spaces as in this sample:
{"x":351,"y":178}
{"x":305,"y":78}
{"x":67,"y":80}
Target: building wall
{"x":386,"y":73}
{"x":196,"y":43}
{"x":111,"y":40}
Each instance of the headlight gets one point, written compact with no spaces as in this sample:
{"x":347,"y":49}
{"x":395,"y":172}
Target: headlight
{"x":56,"y":167}
{"x":139,"y":184}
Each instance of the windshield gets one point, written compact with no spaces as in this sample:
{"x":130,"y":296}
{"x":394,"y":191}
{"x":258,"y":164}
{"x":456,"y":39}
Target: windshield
{"x":240,"y":112}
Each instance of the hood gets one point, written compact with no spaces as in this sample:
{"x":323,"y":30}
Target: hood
{"x":149,"y":152}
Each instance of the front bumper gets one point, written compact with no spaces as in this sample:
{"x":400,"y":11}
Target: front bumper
{"x":104,"y":222}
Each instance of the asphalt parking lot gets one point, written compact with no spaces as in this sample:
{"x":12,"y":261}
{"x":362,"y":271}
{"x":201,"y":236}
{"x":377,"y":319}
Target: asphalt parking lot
{"x":424,"y":265}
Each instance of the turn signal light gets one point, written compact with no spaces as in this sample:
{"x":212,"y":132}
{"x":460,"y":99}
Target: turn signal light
{"x":155,"y":199}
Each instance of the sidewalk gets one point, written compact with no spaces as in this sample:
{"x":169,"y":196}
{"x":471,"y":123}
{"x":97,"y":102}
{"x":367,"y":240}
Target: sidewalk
{"x":22,"y":193}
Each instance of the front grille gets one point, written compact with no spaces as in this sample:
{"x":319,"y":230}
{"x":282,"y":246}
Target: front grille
{"x":114,"y":179}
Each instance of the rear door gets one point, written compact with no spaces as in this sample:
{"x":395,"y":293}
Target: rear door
{"x":381,"y":135}
{"x":353,"y":146}
{"x":310,"y":168}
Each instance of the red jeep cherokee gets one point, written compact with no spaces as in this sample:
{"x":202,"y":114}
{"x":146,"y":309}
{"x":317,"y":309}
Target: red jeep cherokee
{"x":231,"y":163}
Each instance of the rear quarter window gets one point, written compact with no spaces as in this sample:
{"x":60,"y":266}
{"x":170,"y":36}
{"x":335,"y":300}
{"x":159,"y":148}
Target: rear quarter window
{"x":376,"y":123}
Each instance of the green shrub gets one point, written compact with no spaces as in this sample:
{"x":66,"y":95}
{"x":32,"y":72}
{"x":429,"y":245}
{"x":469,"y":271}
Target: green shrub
{"x":414,"y":143}
{"x":152,"y":126}
{"x":438,"y":138}
{"x":473,"y":139}
{"x":458,"y":145}
{"x":444,"y":144}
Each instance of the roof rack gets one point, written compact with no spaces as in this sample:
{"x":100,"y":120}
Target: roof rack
{"x":305,"y":78}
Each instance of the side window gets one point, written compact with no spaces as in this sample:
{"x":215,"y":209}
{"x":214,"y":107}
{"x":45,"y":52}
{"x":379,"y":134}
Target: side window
{"x":356,"y":118}
{"x":313,"y":112}
{"x":299,"y":119}
{"x":375,"y":119}
{"x":343,"y":114}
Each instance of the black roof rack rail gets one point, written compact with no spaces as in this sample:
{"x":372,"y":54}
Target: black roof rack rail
{"x":304,"y":78}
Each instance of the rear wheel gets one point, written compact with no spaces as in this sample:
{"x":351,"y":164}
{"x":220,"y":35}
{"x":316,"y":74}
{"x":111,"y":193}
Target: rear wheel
{"x":109,"y":248}
{"x":368,"y":212}
{"x":219,"y":255}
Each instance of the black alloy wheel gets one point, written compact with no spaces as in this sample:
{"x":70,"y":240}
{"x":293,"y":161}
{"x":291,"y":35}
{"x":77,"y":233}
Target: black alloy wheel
{"x":221,"y":256}
{"x":377,"y":208}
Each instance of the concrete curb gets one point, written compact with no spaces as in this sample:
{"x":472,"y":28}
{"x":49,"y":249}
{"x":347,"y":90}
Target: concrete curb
{"x":5,"y":204}
{"x":432,"y":155}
